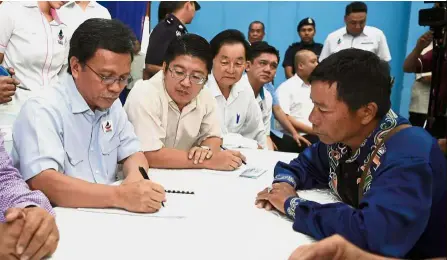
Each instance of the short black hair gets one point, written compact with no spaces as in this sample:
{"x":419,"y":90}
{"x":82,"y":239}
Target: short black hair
{"x":258,"y":48}
{"x":98,"y":33}
{"x":230,"y":36}
{"x":190,"y":44}
{"x":176,"y":5}
{"x":164,"y":8}
{"x":255,"y":22}
{"x":361,"y":78}
{"x":356,"y":7}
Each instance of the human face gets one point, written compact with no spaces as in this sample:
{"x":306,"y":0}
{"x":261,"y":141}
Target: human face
{"x":182,"y":79}
{"x":355,"y":22}
{"x":256,"y":33}
{"x":331,"y":119}
{"x":307,"y":33}
{"x":263,"y":68}
{"x":92,"y":87}
{"x":308,"y":64}
{"x":229,"y":64}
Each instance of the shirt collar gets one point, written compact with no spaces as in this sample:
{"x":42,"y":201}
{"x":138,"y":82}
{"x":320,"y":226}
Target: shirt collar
{"x":70,"y":4}
{"x":52,"y":11}
{"x":386,"y":124}
{"x":77,"y":102}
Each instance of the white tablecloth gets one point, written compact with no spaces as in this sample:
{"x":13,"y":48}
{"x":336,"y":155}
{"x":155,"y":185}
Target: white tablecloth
{"x":225,"y":224}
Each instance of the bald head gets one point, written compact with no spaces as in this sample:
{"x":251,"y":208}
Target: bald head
{"x":305,"y":63}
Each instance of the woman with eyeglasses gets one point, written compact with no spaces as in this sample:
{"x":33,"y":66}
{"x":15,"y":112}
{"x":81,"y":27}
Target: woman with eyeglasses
{"x":175,"y":117}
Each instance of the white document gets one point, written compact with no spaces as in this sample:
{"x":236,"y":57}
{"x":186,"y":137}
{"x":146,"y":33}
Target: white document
{"x":176,"y":206}
{"x":252,"y":172}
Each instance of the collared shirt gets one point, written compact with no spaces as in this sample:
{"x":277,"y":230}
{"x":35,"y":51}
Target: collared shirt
{"x":34,"y":47}
{"x":289,"y":57}
{"x":240,"y":116}
{"x":371,"y":39}
{"x":159,"y":123}
{"x":73,"y":15}
{"x":264,"y":100}
{"x":14,"y":192}
{"x":294,"y":99}
{"x":403,"y":210}
{"x":58,"y":130}
{"x":161,"y":36}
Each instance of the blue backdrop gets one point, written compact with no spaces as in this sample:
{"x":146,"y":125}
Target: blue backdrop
{"x":398,"y":20}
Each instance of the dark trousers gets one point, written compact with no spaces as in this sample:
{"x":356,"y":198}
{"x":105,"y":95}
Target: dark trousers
{"x":288,"y":144}
{"x":439,"y":127}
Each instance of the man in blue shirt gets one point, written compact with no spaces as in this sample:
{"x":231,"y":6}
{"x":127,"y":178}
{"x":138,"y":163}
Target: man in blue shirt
{"x":69,"y":140}
{"x":393,"y":198}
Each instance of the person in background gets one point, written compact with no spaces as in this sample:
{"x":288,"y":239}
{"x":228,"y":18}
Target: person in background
{"x":175,"y":117}
{"x":393,"y":192}
{"x":73,"y":13}
{"x":417,"y":63}
{"x":239,"y":114}
{"x":165,"y":31}
{"x":294,"y":99}
{"x":136,"y":69}
{"x":357,"y":34}
{"x":164,"y":9}
{"x":306,"y":31}
{"x":35,"y":55}
{"x":261,"y":69}
{"x":420,"y":96}
{"x":22,"y":214}
{"x":80,"y":132}
{"x":256,"y":32}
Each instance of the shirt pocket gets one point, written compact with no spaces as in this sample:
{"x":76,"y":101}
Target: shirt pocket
{"x":73,"y":163}
{"x":109,"y":149}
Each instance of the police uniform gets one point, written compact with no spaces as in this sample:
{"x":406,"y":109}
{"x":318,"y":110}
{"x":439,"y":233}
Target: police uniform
{"x":161,"y":36}
{"x":289,"y":57}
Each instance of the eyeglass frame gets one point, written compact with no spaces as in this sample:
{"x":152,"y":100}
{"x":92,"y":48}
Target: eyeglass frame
{"x":204,"y":79}
{"x":104,"y":78}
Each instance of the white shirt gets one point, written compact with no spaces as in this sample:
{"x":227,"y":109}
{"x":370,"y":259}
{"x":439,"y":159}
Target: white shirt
{"x":34,"y":47}
{"x":264,"y":100}
{"x":371,"y":39}
{"x":294,"y":100}
{"x":73,"y":15}
{"x":240,"y":116}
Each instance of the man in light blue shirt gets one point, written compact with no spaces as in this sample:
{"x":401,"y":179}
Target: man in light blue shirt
{"x":69,"y":140}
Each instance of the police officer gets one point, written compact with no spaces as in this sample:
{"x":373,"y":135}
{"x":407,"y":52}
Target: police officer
{"x":306,"y":30}
{"x":172,"y":26}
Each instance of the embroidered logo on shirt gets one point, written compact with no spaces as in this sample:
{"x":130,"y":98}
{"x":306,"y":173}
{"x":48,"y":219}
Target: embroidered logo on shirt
{"x":339,"y":41}
{"x":107,"y":126}
{"x":61,"y":37}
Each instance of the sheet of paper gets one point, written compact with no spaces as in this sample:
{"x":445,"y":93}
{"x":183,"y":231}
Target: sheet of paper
{"x":176,"y":206}
{"x":252,"y":172}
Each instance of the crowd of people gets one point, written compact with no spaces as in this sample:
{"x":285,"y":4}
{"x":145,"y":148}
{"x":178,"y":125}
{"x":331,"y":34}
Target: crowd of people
{"x":194,"y":104}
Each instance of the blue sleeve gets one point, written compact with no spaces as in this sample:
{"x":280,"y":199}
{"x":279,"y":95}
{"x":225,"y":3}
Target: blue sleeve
{"x":390,"y":219}
{"x":309,"y":170}
{"x":129,"y":142}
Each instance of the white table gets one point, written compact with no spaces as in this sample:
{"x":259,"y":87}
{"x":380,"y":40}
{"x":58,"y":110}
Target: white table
{"x":225,"y":224}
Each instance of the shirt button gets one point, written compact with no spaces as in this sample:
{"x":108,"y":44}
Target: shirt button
{"x":96,"y":171}
{"x":91,"y":149}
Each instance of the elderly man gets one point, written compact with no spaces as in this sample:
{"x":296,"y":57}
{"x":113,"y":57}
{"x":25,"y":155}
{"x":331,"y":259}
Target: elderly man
{"x":392,"y":191}
{"x":69,"y":140}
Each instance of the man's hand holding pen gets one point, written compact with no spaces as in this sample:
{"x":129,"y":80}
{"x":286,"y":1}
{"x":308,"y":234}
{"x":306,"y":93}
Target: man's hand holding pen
{"x":142,"y":196}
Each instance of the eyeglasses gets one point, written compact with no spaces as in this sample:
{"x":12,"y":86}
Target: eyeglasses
{"x":110,"y":80}
{"x":181,"y":75}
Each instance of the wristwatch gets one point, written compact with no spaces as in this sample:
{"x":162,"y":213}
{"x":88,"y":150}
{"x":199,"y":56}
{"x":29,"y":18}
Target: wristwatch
{"x":205,"y":147}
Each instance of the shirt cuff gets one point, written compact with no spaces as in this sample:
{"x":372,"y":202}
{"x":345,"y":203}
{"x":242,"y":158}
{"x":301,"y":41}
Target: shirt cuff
{"x":23,"y":205}
{"x":290,"y":206}
{"x":285,"y":178}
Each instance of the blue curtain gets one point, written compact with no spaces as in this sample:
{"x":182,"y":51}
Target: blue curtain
{"x":131,"y":13}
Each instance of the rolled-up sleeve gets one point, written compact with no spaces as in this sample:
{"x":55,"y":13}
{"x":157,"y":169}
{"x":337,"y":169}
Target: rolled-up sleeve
{"x":37,"y":139}
{"x":210,"y":126}
{"x":14,"y":192}
{"x":144,"y":112}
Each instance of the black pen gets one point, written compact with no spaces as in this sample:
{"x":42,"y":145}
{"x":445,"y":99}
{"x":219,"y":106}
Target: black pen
{"x":223,"y":148}
{"x":146,"y":177}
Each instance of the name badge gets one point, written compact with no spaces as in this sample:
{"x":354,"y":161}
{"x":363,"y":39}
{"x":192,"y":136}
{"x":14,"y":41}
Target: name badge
{"x":107,"y":126}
